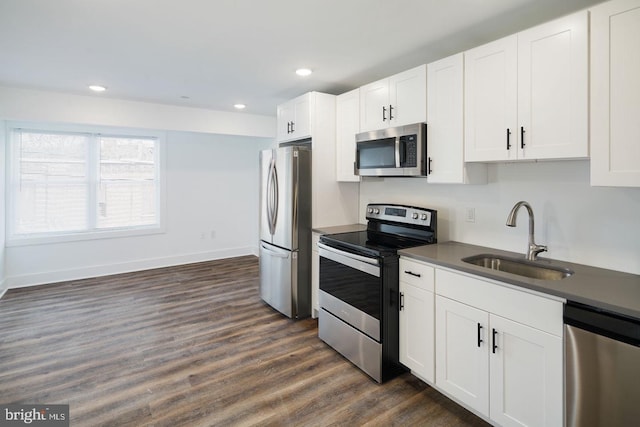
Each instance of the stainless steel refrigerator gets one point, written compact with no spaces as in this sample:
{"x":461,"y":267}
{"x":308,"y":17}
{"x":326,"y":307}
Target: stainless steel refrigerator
{"x":285,"y":229}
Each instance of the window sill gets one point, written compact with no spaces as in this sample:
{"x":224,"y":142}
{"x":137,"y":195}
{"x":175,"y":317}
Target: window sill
{"x":81,"y":236}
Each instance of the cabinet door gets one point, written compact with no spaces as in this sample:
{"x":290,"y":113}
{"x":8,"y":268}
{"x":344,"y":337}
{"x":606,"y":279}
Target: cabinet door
{"x":526,"y":375}
{"x":417,"y":331}
{"x":553,"y":84}
{"x":408,"y":97}
{"x":490,"y":75}
{"x":462,"y":365}
{"x":294,"y":119}
{"x":285,"y":115}
{"x":347,"y":126}
{"x":445,"y":120}
{"x":301,"y":125}
{"x":615,"y":93}
{"x":374,"y":106}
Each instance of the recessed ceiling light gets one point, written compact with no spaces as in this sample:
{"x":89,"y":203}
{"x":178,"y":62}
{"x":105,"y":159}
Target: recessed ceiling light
{"x":303,"y":72}
{"x":239,"y":106}
{"x":97,"y":88}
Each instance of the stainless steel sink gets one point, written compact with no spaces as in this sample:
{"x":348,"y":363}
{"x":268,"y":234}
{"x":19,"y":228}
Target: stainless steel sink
{"x":520,"y":267}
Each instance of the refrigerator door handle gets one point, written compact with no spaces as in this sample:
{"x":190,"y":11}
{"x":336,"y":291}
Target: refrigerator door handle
{"x":276,"y":197}
{"x":268,"y":197}
{"x":272,"y":197}
{"x":274,"y":253}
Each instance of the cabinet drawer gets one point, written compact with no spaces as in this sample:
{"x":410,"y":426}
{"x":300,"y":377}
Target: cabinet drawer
{"x":533,"y":310}
{"x":417,"y":274}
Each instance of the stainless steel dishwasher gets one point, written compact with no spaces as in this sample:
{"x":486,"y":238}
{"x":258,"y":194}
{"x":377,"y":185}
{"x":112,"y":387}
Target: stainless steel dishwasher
{"x":602,"y":367}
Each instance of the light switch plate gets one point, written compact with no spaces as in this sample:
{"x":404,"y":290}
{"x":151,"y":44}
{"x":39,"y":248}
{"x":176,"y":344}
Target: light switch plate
{"x":470,"y":214}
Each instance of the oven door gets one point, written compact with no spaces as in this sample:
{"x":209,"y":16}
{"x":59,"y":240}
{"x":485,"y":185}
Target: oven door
{"x":351,"y":289}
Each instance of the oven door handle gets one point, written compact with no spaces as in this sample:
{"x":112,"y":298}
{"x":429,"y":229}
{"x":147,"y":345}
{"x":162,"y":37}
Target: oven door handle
{"x":367,"y":265}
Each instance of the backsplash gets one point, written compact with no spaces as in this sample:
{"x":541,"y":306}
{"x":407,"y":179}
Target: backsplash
{"x":596,"y":226}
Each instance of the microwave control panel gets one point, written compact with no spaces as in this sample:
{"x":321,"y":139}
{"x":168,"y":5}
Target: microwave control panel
{"x":409,"y":144}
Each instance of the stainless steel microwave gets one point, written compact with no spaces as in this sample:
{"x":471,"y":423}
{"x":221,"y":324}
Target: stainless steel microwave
{"x":398,"y":151}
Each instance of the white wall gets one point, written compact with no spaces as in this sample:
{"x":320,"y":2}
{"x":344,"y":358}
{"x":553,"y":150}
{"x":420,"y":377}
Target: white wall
{"x":597,"y":226}
{"x":3,"y":287}
{"x":33,"y":105}
{"x":212,"y":165}
{"x":212,"y":186}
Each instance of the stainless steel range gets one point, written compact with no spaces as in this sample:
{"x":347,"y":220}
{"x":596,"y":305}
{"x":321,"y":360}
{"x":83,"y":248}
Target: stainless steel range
{"x":359,"y":296}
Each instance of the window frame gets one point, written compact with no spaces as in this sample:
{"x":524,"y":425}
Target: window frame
{"x":93,"y":169}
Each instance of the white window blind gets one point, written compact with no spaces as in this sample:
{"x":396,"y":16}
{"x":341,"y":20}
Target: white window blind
{"x":66,"y":183}
{"x":127,"y":187}
{"x":52,"y":192}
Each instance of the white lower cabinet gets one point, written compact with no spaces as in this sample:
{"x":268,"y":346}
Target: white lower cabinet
{"x":502,"y":369}
{"x":525,"y":381}
{"x":462,"y":360}
{"x":493,"y":348}
{"x":417,"y":326}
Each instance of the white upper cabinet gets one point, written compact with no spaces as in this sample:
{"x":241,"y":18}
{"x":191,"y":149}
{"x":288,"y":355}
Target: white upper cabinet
{"x":313,"y":115}
{"x":526,"y":95}
{"x":294,"y":119}
{"x":490,"y":101}
{"x":374,"y":105}
{"x":553,"y":89}
{"x":615,"y":93}
{"x":347,"y":126}
{"x":395,"y":101}
{"x":445,"y":125}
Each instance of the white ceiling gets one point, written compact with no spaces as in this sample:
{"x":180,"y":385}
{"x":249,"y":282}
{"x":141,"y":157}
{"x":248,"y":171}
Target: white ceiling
{"x":221,"y":52}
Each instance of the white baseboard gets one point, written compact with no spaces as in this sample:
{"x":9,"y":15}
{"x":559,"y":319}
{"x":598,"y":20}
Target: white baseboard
{"x":3,"y":287}
{"x":49,"y":277}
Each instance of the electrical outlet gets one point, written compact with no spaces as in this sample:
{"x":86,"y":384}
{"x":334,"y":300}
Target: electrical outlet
{"x":470,"y":214}
{"x":213,"y":234}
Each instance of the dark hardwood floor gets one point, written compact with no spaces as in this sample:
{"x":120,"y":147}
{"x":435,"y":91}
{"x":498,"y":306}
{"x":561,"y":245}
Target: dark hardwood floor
{"x":191,"y":345}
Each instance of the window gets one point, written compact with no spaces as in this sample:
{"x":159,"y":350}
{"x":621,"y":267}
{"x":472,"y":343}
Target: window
{"x":76,"y":184}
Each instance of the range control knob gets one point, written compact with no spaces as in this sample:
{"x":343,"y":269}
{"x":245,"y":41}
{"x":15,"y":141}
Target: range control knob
{"x":423,"y":217}
{"x":376,"y":211}
{"x":370,"y":210}
{"x":414,"y":215}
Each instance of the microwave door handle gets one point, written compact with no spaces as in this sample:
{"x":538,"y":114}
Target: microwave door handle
{"x":398,"y":152}
{"x":403,"y":152}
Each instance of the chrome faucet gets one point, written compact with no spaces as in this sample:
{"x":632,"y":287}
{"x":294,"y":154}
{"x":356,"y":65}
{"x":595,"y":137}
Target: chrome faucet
{"x":533,"y":250}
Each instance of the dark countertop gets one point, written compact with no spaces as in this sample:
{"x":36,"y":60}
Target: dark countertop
{"x":598,"y":287}
{"x":340,"y":229}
